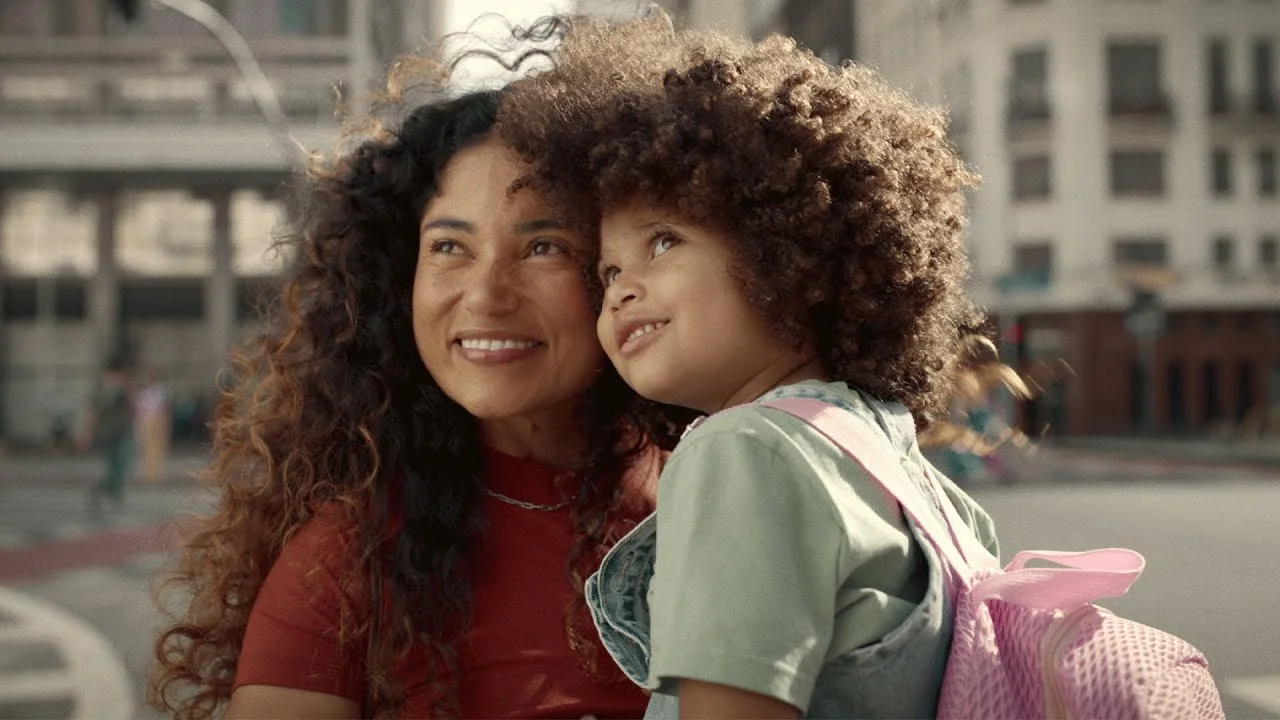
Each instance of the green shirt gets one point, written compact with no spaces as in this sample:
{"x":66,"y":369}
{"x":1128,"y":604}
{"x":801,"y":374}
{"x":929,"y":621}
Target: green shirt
{"x":776,"y":552}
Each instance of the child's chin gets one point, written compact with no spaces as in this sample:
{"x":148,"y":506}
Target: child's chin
{"x":649,"y":390}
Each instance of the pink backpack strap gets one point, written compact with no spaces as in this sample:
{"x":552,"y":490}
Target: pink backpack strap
{"x":874,"y":454}
{"x":1086,"y":576}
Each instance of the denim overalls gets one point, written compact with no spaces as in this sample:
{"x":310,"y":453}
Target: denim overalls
{"x":899,"y":676}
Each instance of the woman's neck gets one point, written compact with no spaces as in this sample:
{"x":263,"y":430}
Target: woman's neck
{"x":551,"y":438}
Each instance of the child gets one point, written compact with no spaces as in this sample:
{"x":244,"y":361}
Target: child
{"x":770,"y":226}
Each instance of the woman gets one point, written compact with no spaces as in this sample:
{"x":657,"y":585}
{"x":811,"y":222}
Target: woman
{"x":421,"y":461}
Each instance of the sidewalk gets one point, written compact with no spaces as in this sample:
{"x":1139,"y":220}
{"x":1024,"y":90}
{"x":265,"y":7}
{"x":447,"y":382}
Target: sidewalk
{"x":1198,"y":451}
{"x":82,"y":469}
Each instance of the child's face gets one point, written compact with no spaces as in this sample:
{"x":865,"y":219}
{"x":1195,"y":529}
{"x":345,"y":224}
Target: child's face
{"x":675,"y":322}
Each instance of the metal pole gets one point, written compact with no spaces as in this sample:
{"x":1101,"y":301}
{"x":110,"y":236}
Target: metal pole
{"x":360,"y":64}
{"x":259,"y":86}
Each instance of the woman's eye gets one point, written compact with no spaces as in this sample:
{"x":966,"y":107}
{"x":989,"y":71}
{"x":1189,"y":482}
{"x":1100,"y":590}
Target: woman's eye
{"x":608,"y":275}
{"x":446,"y":247}
{"x":546,"y":247}
{"x":663,"y":243}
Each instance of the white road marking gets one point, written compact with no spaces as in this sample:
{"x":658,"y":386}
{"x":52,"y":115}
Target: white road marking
{"x":1261,"y":691}
{"x":94,"y":675}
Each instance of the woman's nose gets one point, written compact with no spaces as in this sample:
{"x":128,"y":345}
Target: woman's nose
{"x":492,"y":290}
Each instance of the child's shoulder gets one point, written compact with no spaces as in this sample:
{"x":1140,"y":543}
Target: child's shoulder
{"x":756,"y":429}
{"x":758,"y":423}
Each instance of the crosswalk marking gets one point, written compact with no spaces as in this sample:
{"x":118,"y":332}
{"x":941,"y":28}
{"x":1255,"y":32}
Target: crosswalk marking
{"x":1264,"y":692}
{"x":36,"y":685}
{"x":94,"y":675}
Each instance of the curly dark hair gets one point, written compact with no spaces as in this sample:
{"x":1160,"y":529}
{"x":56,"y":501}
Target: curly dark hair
{"x":333,"y":408}
{"x":843,"y":197}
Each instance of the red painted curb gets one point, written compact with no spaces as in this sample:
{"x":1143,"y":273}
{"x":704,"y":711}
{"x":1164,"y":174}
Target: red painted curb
{"x":104,"y":549}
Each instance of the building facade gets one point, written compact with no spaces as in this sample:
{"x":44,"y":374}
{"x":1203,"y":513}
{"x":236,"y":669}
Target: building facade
{"x":141,"y":188}
{"x":824,"y":26}
{"x":1128,"y":220}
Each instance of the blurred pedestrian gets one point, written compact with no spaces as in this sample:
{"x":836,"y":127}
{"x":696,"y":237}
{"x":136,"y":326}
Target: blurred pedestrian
{"x":113,"y":435}
{"x":155,"y":424}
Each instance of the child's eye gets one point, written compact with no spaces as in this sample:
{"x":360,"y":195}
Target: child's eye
{"x":664,"y":242}
{"x":546,"y":247}
{"x":608,"y":275}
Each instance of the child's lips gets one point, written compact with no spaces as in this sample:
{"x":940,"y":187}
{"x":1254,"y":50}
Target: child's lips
{"x":636,"y":334}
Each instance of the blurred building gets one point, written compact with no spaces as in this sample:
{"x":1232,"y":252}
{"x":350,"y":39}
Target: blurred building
{"x":1128,"y":150}
{"x":824,"y":26}
{"x":140,"y":185}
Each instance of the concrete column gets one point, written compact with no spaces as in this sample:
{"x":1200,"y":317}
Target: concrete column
{"x":220,"y":287}
{"x":104,"y":288}
{"x":4,"y":335}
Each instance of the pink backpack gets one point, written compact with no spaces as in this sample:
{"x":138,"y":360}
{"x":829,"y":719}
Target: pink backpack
{"x":1027,"y":642}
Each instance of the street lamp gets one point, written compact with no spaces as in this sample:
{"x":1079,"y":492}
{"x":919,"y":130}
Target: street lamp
{"x":256,"y":81}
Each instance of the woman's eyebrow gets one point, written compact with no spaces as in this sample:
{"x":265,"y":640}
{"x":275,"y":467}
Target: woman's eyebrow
{"x":532,"y":226}
{"x":448,"y":223}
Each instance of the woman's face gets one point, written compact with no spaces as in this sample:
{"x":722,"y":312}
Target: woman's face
{"x":501,"y":313}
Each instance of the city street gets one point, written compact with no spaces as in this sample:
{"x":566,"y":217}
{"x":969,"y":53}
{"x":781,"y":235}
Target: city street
{"x":77,"y":620}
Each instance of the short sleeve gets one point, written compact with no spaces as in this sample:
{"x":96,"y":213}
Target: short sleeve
{"x":292,"y":636}
{"x":747,"y":569}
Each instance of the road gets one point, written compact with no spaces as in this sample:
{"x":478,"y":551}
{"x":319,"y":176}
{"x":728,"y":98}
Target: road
{"x":77,"y":619}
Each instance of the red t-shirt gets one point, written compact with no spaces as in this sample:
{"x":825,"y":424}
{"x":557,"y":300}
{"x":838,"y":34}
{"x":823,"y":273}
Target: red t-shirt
{"x":515,"y":658}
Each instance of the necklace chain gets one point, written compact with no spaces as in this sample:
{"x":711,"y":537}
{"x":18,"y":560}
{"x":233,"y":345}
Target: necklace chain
{"x":523,"y":504}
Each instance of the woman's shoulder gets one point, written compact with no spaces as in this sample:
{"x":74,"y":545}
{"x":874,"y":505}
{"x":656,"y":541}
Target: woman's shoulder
{"x":319,"y":545}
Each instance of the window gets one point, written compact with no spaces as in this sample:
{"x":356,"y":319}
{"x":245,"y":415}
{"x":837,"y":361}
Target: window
{"x":1244,"y":390}
{"x":1219,"y":79}
{"x":63,"y":14}
{"x":1137,"y":173}
{"x":1029,"y":93}
{"x":62,"y":298}
{"x":1212,"y":398}
{"x":1268,"y":251}
{"x":1265,"y":159}
{"x":1033,"y":256}
{"x":1140,"y":251}
{"x":1032,"y":178}
{"x":255,"y":218}
{"x":1221,"y":163}
{"x":1137,"y":394}
{"x":1224,"y":252}
{"x":311,"y":17}
{"x":164,"y":233}
{"x":1133,"y":73}
{"x":1177,"y":401}
{"x":47,"y":232}
{"x":162,"y":299}
{"x":1264,"y":95}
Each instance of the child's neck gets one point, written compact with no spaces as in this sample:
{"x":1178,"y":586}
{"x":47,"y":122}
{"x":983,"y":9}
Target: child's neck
{"x":807,"y":368}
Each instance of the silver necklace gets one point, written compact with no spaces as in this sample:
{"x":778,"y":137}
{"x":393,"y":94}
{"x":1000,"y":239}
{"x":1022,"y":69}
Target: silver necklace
{"x":523,"y":504}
